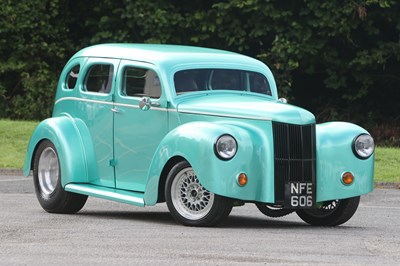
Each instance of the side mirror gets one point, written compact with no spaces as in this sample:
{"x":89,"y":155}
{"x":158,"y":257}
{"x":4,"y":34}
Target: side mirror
{"x":145,"y":104}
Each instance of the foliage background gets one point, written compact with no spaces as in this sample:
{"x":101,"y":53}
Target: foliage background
{"x":340,"y":59}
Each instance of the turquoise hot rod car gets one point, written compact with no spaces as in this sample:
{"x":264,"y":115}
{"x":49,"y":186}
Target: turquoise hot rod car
{"x":197,"y":128}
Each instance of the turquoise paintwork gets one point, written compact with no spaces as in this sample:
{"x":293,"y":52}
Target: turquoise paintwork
{"x":335,"y":156}
{"x":110,"y":148}
{"x":75,"y":160}
{"x":239,"y":105}
{"x":195,"y":142}
{"x":137,"y":134}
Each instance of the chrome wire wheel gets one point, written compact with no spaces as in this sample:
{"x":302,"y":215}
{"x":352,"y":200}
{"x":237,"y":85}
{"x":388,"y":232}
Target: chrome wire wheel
{"x":189,"y":202}
{"x":325,"y":210}
{"x":190,"y":199}
{"x":330,"y":213}
{"x":48,"y":171}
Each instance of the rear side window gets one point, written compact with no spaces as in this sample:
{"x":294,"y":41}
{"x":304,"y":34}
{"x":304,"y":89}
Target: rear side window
{"x":258,"y":83}
{"x":99,"y":78}
{"x":138,"y":82}
{"x":73,"y":77}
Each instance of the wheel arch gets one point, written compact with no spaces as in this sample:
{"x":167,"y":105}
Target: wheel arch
{"x":190,"y":142}
{"x":164,"y":174}
{"x":194,"y":142}
{"x":72,"y":148}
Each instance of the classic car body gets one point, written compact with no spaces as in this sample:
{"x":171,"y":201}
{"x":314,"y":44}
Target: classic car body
{"x":126,"y":115}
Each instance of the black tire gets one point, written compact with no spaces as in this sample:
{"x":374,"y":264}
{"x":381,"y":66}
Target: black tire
{"x":189,"y":202}
{"x":47,"y":181}
{"x":331,"y":213}
{"x":273,"y":212}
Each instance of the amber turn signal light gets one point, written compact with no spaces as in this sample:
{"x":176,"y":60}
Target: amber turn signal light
{"x":242,"y":179}
{"x":347,"y":178}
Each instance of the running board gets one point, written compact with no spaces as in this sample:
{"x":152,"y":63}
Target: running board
{"x":124,"y":196}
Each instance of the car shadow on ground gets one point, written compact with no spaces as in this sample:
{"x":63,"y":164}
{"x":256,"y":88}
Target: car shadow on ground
{"x":236,"y":221}
{"x":143,"y":216}
{"x":232,"y":222}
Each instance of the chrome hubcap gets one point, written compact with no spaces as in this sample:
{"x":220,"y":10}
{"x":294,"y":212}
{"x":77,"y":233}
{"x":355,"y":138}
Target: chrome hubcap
{"x":189,"y":197}
{"x":48,"y":171}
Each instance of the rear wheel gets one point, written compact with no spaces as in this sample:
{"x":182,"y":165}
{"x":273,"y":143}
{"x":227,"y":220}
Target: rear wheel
{"x":47,"y":181}
{"x":189,"y":202}
{"x":330,"y":213}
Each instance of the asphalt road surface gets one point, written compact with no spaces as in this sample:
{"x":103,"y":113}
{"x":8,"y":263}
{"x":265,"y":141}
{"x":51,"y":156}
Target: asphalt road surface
{"x":110,"y":233}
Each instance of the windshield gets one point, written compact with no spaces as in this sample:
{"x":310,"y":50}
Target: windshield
{"x":220,"y":79}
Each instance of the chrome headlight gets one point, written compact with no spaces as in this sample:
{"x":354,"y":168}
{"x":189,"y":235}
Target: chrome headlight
{"x":225,"y":147}
{"x":363,"y":146}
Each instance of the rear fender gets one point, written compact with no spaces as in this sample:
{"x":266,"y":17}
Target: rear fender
{"x":73,"y":144}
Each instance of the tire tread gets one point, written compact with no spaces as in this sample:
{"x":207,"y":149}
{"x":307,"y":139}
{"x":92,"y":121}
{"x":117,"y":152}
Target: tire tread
{"x":343,"y":213}
{"x":60,"y":201}
{"x":219,"y":211}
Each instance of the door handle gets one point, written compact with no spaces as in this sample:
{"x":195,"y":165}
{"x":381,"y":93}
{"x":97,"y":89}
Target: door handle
{"x":115,"y":110}
{"x":145,"y":103}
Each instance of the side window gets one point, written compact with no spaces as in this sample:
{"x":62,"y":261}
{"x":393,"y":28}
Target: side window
{"x":99,"y":78}
{"x":259,"y":84}
{"x":140,"y":82}
{"x":73,"y":77}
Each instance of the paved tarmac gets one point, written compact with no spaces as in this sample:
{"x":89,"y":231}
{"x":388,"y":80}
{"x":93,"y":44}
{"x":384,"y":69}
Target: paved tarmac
{"x":110,"y":233}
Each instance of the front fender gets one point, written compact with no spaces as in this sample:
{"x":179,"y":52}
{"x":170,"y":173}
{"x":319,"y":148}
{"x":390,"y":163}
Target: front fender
{"x":72,"y":147}
{"x":335,"y":156}
{"x":195,"y":142}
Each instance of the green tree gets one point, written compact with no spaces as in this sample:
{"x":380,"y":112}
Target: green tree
{"x":335,"y":58}
{"x":340,"y":59}
{"x":32,"y":50}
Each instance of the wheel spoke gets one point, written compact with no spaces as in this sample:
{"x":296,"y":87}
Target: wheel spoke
{"x":189,"y":197}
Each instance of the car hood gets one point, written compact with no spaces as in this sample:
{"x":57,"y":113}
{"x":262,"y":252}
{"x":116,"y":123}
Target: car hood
{"x":245,"y":107}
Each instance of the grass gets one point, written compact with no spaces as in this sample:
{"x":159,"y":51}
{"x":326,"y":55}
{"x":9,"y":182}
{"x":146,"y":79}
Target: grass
{"x":14,"y":137}
{"x":387,"y":165}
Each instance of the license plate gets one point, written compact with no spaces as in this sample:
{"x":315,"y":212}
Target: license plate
{"x":299,"y":195}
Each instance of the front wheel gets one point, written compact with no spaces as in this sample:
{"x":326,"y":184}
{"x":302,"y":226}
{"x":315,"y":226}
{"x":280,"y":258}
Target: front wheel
{"x":47,"y":181}
{"x":330,"y":213}
{"x":189,"y":202}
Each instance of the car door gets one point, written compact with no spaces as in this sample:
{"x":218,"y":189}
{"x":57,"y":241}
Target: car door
{"x":94,"y":108}
{"x":137,"y":132}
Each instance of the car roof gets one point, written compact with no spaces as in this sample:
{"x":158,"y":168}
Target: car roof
{"x":166,"y":54}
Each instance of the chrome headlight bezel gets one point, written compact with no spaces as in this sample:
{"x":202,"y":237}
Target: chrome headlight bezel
{"x":363,"y":146}
{"x":225,"y":147}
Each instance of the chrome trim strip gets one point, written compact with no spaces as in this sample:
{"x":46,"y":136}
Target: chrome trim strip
{"x":165,"y":109}
{"x":82,"y":100}
{"x":109,"y":103}
{"x":225,"y":115}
